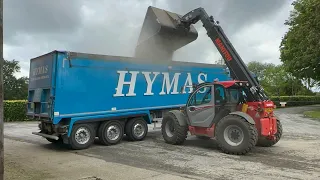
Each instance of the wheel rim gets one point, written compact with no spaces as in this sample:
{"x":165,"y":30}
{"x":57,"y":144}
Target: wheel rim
{"x":233,"y":135}
{"x":138,"y":130}
{"x":113,"y":132}
{"x":82,"y":135}
{"x":169,"y":128}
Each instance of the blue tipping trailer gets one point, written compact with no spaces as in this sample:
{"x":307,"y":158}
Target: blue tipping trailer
{"x":77,"y":97}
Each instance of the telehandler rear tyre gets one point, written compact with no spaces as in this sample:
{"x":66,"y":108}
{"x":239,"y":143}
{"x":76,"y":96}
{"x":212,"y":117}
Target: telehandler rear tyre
{"x":172,"y":131}
{"x":263,"y":142}
{"x":235,"y":135}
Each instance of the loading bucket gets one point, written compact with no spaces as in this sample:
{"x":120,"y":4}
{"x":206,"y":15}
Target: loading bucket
{"x":160,"y":37}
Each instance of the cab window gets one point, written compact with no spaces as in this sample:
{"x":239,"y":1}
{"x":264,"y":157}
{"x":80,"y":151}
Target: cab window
{"x":219,"y":94}
{"x":203,"y":96}
{"x":234,"y":95}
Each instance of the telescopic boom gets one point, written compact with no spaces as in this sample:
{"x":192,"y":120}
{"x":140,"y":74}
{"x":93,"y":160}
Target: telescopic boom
{"x":237,"y":67}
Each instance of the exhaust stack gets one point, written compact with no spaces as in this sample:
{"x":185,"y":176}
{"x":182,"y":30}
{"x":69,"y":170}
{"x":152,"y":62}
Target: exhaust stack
{"x":160,"y":37}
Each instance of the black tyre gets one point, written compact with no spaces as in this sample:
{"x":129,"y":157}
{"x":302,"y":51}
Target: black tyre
{"x":235,"y":135}
{"x":136,"y":129}
{"x":82,"y":136}
{"x":172,"y":131}
{"x":110,"y":132}
{"x":263,"y":142}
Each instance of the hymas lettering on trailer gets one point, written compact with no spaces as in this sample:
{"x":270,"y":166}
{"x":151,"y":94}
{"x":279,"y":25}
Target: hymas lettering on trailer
{"x":40,"y":70}
{"x":168,"y":87}
{"x":39,"y":73}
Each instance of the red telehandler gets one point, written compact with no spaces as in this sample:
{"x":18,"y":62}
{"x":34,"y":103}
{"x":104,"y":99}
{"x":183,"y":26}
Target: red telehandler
{"x":237,"y":113}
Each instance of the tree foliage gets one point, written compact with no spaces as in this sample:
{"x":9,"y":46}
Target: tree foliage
{"x":277,"y":81}
{"x":14,"y":88}
{"x":300,"y":46}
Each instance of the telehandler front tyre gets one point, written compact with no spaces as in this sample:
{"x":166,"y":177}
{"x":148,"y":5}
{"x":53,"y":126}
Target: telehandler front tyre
{"x":235,"y":135}
{"x":172,"y":131}
{"x":263,"y":142}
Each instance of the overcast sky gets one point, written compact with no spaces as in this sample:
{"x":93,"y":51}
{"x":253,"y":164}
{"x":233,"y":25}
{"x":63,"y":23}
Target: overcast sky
{"x":35,"y":27}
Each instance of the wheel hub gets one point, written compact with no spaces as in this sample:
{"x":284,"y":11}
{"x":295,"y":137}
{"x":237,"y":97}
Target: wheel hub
{"x":82,"y":135}
{"x":233,"y":135}
{"x":138,"y":130}
{"x":169,"y":128}
{"x":113,"y":132}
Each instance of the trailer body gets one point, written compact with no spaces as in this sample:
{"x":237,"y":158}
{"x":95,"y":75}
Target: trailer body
{"x":67,"y":88}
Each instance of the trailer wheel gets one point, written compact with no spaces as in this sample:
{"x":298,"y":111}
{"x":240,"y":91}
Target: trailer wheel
{"x":82,"y":136}
{"x":235,"y":135}
{"x":172,"y":131}
{"x":136,"y":129}
{"x":110,"y":132}
{"x":263,"y":142}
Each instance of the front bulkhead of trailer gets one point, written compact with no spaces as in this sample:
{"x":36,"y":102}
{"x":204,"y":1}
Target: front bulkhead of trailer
{"x":83,"y":86}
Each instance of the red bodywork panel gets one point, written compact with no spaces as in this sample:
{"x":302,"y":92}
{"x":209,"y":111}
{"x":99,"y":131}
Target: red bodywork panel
{"x":227,"y":84}
{"x":202,"y":131}
{"x":262,"y":114}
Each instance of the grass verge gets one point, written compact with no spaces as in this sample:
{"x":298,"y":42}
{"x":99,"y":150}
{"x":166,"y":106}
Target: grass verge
{"x":313,"y":114}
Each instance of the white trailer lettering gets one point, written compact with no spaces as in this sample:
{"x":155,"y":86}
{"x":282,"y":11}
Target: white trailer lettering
{"x":166,"y":82}
{"x":131,"y":83}
{"x":169,"y":86}
{"x":188,"y":84}
{"x":149,"y":82}
{"x":201,"y":81}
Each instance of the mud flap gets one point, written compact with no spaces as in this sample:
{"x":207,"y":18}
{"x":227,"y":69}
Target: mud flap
{"x":182,"y":119}
{"x":245,"y":116}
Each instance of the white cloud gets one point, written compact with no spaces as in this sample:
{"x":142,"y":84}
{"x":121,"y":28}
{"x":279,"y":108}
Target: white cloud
{"x":113,"y":27}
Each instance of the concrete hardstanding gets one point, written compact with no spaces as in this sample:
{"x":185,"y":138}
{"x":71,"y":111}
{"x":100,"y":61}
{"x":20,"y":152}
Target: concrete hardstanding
{"x":296,"y":156}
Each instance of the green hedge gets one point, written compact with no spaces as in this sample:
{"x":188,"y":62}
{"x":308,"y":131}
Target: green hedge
{"x":296,"y":100}
{"x":15,"y":110}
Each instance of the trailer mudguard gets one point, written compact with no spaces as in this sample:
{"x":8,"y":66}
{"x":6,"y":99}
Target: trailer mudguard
{"x":83,"y":119}
{"x":245,"y":116}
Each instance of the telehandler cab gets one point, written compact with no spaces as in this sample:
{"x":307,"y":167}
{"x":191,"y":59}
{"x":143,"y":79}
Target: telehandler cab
{"x":237,"y":113}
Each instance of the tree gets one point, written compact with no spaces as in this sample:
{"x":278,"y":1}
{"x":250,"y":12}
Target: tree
{"x":259,"y":68}
{"x":300,"y":46}
{"x":14,"y":88}
{"x":277,"y":81}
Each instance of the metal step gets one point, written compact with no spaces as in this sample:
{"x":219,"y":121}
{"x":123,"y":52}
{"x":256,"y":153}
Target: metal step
{"x":155,"y":121}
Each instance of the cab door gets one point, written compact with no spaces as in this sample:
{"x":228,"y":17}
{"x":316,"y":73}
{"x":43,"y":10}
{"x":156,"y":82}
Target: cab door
{"x":201,"y":107}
